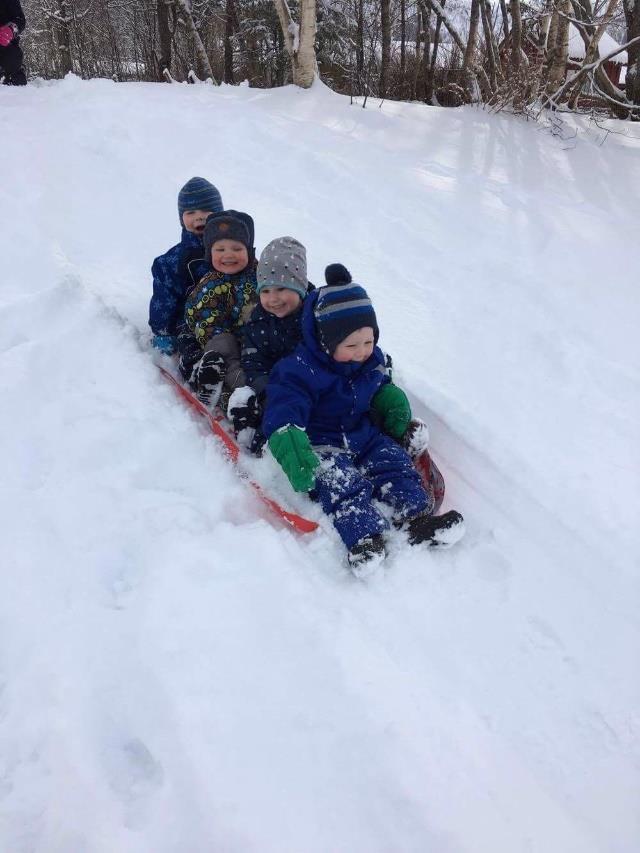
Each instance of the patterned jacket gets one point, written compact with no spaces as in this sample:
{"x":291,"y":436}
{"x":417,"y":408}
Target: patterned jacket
{"x":171,"y":283}
{"x":330,"y":400}
{"x":218,"y":303}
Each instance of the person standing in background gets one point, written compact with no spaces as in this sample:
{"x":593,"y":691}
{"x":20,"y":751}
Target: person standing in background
{"x":12,"y":23}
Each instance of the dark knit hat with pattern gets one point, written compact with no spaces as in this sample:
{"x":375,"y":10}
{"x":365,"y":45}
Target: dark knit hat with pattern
{"x":199,"y":194}
{"x":229,"y":225}
{"x":342,"y":307}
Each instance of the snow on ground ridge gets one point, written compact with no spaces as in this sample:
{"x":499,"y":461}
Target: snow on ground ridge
{"x":176,"y":672}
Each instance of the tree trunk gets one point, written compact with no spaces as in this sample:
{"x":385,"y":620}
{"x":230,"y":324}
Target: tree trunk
{"x":632,"y":17}
{"x":485,"y":13}
{"x":558,"y":46}
{"x":203,"y":69}
{"x":385,"y":21}
{"x":360,"y":42}
{"x":426,"y":17}
{"x":300,"y":40}
{"x":470,"y":50}
{"x":403,"y":38}
{"x":63,"y":37}
{"x":434,"y":57}
{"x":516,"y":35}
{"x":164,"y":36}
{"x":505,"y":18}
{"x":416,"y":64}
{"x":228,"y":44}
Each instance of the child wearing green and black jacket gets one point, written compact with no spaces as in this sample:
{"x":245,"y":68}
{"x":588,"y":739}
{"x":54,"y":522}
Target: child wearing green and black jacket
{"x":217,"y":307}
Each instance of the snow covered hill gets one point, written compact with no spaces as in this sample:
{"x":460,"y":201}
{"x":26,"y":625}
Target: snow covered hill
{"x":180,"y":674}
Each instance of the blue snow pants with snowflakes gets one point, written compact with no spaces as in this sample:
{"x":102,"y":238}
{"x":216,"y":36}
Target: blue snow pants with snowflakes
{"x":347,"y":486}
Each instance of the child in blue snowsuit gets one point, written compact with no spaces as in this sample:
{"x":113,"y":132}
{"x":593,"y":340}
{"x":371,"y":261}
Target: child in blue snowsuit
{"x":272,"y":332}
{"x":172,"y":272}
{"x":318,"y":420}
{"x":217,"y":306}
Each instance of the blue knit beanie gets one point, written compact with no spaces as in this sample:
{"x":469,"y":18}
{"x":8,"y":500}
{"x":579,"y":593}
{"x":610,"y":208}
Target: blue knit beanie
{"x":342,"y":307}
{"x":199,"y":194}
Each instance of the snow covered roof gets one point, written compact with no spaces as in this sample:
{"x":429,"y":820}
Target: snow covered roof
{"x":606,"y":45}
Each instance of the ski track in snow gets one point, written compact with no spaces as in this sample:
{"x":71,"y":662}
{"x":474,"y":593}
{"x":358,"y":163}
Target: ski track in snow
{"x":178,"y":672}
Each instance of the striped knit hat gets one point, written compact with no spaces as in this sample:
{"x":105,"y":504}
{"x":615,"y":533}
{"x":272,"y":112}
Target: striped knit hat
{"x":199,"y":194}
{"x":342,"y":307}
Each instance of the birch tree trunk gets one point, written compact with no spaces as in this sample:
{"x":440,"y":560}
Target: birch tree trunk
{"x":300,"y":41}
{"x":203,"y":69}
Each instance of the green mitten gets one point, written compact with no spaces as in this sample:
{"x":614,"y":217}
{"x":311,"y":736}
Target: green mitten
{"x":392,"y":405}
{"x":291,"y":447}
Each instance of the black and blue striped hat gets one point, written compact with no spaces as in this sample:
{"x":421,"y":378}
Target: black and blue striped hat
{"x":342,"y":307}
{"x":199,"y":194}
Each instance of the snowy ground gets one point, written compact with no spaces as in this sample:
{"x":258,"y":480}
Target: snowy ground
{"x":177,"y":673}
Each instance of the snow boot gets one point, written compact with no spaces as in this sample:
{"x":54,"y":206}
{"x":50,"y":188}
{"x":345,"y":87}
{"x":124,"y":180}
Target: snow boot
{"x":208,"y":375}
{"x":366,"y":556}
{"x":437,"y":531}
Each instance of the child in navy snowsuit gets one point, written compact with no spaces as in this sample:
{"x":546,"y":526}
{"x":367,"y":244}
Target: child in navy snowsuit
{"x":217,"y":307}
{"x":12,"y":23}
{"x":273,"y":331}
{"x":173,"y":272}
{"x":318,"y":419}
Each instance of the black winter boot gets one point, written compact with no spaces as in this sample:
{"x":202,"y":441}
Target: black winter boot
{"x":437,"y":531}
{"x":366,"y":555}
{"x":208,"y":375}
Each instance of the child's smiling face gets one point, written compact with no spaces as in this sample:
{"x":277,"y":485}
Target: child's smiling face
{"x":357,"y":346}
{"x":195,"y":220}
{"x":280,"y":301}
{"x":229,"y":256}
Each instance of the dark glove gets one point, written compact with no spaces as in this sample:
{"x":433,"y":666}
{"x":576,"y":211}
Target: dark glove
{"x":244,"y":410}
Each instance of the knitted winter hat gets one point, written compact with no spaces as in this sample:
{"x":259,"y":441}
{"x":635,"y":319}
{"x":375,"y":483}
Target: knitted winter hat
{"x":199,"y":194}
{"x":283,"y":263}
{"x":229,"y":225}
{"x":342,"y":307}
